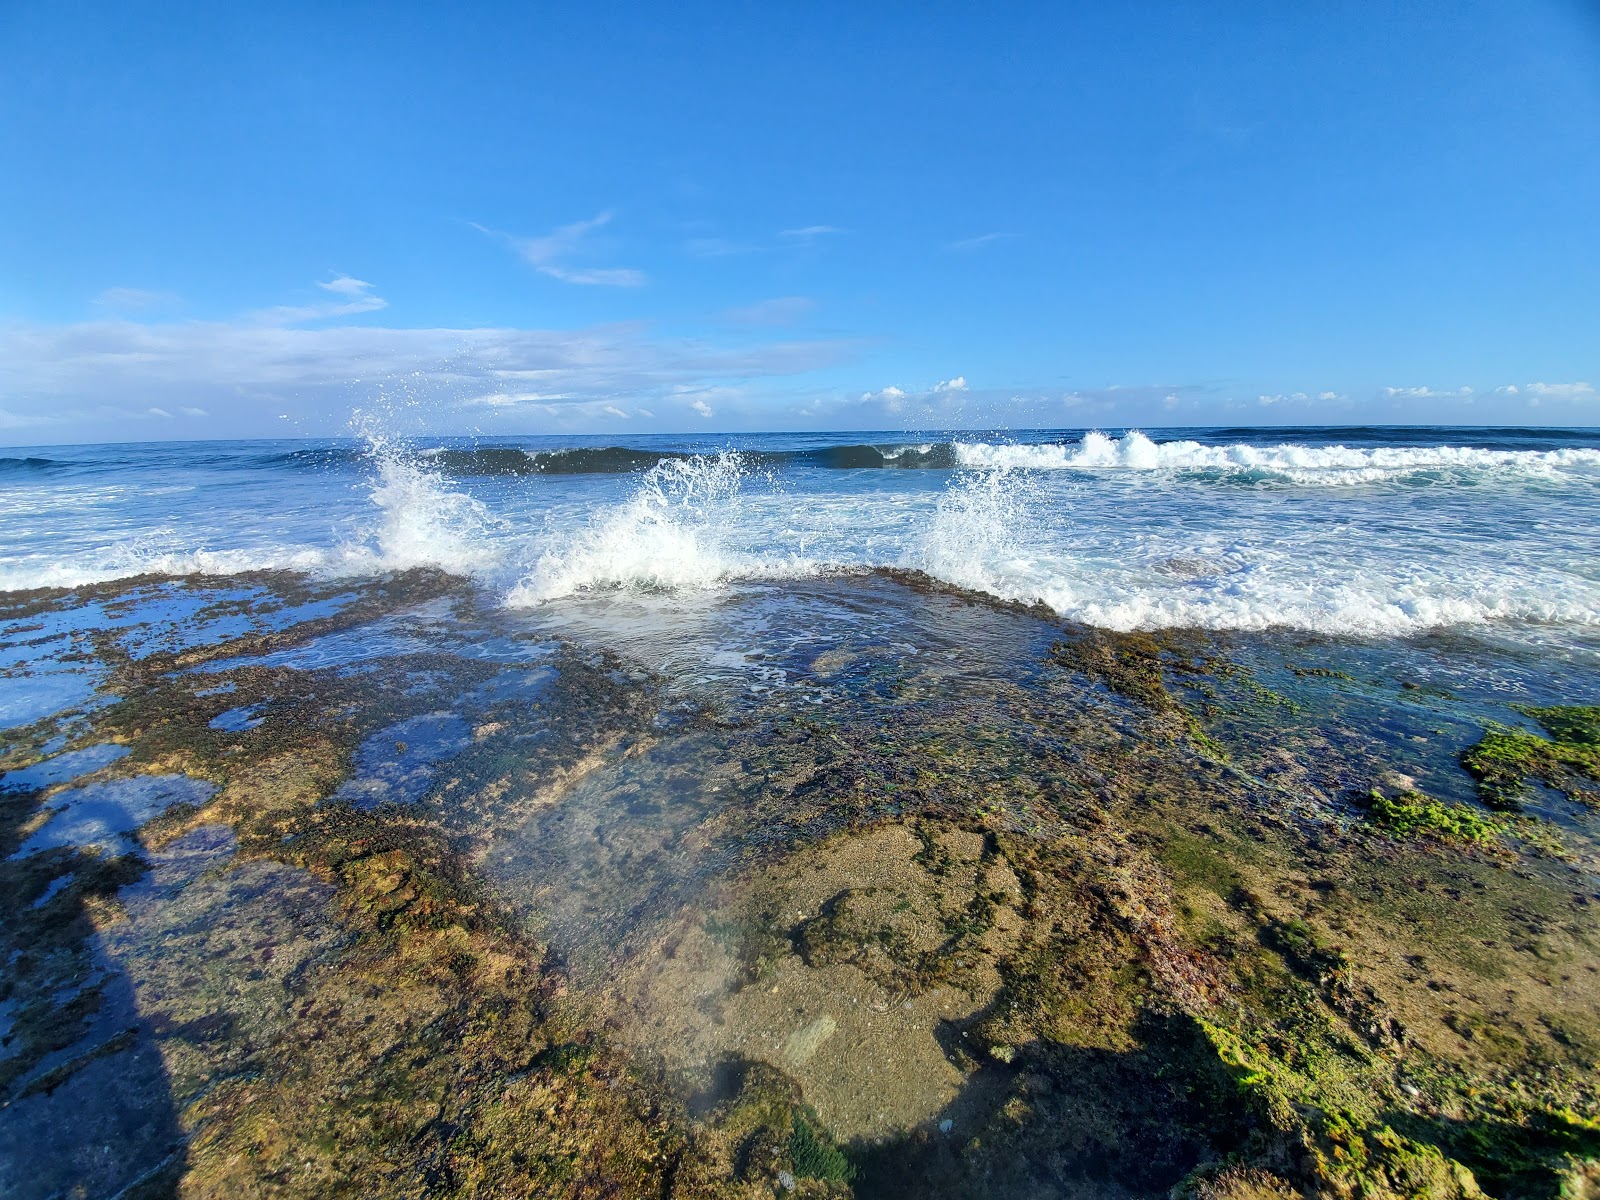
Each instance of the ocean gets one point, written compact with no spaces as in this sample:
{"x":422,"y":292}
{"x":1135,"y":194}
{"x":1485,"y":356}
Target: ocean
{"x":1060,"y":813}
{"x":1362,"y":531}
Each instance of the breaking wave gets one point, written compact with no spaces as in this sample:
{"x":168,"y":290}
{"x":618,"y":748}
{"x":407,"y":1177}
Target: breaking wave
{"x":1288,"y":461}
{"x":1123,"y":532}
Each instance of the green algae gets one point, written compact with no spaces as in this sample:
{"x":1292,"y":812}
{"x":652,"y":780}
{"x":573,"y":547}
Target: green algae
{"x":1568,"y":760}
{"x":1413,"y":814}
{"x":813,"y":1154}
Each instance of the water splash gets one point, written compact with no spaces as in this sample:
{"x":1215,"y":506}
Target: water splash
{"x":974,"y":537}
{"x":676,"y":531}
{"x":422,"y":521}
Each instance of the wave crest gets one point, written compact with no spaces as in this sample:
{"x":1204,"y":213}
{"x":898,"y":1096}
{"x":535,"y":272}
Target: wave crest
{"x":1287,"y":461}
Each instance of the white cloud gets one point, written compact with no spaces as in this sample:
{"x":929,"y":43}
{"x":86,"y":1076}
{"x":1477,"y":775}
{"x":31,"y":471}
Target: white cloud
{"x":891,"y":398}
{"x":550,"y":254}
{"x":611,"y":410}
{"x":345,"y":285}
{"x":357,"y":298}
{"x":958,"y":384}
{"x":1425,"y":393}
{"x":1561,"y":391}
{"x":701,"y":407}
{"x":191,"y":411}
{"x":158,"y":412}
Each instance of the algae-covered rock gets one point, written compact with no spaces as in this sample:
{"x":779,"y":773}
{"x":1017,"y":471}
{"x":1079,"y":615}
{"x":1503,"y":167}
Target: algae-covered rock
{"x":1568,"y":760}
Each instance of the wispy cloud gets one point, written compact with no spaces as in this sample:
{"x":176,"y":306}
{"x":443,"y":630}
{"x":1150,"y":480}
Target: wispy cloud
{"x":782,"y":310}
{"x":356,"y":297}
{"x":807,"y":232}
{"x":129,"y":299}
{"x":966,"y":245}
{"x":552,"y":254}
{"x":84,"y":378}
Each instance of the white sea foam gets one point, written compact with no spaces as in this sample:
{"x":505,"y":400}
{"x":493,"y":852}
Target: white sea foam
{"x":679,"y":530}
{"x":1312,"y":465}
{"x":1329,"y":602}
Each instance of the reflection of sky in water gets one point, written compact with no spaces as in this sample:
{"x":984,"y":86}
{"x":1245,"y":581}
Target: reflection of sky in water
{"x":48,"y":687}
{"x":395,"y":766}
{"x":237,"y":720}
{"x":62,"y":767}
{"x":102,"y":814}
{"x":428,"y":629}
{"x":37,"y":650}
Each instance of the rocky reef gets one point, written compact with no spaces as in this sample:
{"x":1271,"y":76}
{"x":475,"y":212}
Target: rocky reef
{"x":363,"y":889}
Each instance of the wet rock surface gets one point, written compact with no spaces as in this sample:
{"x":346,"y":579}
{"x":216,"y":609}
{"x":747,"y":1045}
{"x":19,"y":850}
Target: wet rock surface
{"x":940,"y":898}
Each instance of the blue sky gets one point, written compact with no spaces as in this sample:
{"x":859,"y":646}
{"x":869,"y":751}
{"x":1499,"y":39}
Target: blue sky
{"x":220,"y":220}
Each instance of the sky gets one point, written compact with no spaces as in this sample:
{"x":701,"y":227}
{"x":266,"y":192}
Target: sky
{"x":224,"y":221}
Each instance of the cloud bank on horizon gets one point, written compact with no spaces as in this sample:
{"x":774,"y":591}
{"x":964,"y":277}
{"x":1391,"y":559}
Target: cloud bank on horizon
{"x":566,"y":225}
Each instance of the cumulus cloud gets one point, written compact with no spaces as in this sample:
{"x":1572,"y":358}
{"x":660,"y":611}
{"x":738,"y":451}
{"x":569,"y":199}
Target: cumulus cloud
{"x":701,"y":407}
{"x":958,"y":384}
{"x":891,"y":398}
{"x":552,"y":254}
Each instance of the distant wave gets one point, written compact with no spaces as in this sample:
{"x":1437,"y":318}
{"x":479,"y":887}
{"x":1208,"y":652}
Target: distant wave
{"x":1238,"y":462}
{"x":1289,"y":462}
{"x":622,"y":460}
{"x":30,"y":465}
